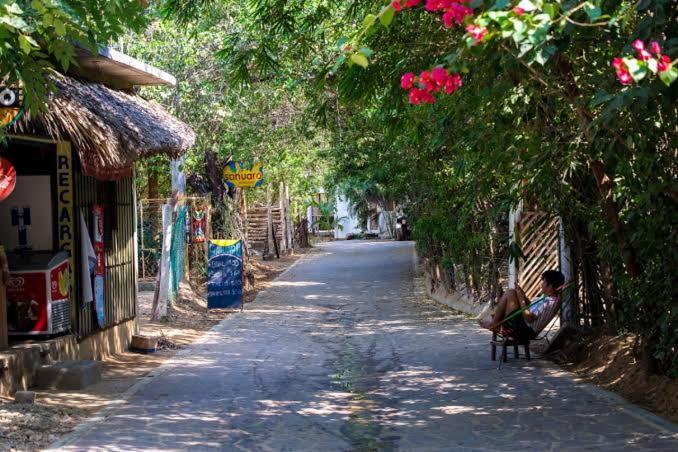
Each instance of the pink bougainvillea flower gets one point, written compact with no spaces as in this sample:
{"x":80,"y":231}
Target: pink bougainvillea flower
{"x":412,"y":3}
{"x":407,"y":80}
{"x":623,"y":74}
{"x":518,"y":11}
{"x":439,"y":75}
{"x":618,"y":63}
{"x":477,"y":33}
{"x":427,"y":98}
{"x":415,"y":96}
{"x":624,"y":77}
{"x":654,"y":45}
{"x":664,"y":63}
{"x":396,"y":5}
{"x":420,"y":96}
{"x":435,"y":5}
{"x":638,"y":45}
{"x":455,"y":14}
{"x":644,"y":55}
{"x":453,"y":83}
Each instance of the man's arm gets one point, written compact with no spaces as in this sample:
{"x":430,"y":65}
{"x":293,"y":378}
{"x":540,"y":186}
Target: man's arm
{"x":522,"y":298}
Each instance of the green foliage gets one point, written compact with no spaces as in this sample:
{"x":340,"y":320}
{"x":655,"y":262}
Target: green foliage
{"x":37,"y":35}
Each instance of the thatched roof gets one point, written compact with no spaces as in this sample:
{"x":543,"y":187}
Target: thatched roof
{"x":110,"y":129}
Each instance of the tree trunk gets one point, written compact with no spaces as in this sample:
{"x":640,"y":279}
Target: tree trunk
{"x":152,"y":184}
{"x":611,"y":209}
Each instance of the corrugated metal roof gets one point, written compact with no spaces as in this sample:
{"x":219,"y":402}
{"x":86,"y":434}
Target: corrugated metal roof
{"x":118,"y":70}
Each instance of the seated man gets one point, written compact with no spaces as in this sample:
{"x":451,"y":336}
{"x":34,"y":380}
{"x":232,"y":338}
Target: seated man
{"x":533,"y":319}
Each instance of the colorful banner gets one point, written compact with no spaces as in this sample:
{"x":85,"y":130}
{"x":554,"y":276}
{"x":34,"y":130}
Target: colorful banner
{"x":224,"y":274}
{"x":243,"y":175}
{"x":100,"y":267}
{"x":198,"y":225}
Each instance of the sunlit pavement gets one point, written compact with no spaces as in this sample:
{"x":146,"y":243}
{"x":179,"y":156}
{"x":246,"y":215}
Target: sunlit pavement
{"x":338,"y":355}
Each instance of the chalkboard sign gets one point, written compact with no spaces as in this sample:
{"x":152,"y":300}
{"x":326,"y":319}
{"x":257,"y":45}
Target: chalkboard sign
{"x":224,"y":274}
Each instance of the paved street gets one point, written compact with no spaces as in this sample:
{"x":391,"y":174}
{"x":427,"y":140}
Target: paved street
{"x":339,"y":355}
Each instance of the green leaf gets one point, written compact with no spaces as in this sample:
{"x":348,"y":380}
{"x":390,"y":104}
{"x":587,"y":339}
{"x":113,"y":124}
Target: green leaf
{"x":593,"y":11}
{"x":24,"y":44}
{"x":669,"y":76}
{"x":59,"y":27}
{"x":369,"y":20}
{"x":38,"y":6}
{"x":551,"y":9}
{"x":366,"y":51}
{"x":544,"y":54}
{"x":13,"y":8}
{"x":527,"y":5}
{"x":359,"y":59}
{"x":337,"y":64}
{"x":387,"y":15}
{"x":501,"y":4}
{"x":341,"y":41}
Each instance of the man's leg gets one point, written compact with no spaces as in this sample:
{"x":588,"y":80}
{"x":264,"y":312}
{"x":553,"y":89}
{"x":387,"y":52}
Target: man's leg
{"x":507,"y":304}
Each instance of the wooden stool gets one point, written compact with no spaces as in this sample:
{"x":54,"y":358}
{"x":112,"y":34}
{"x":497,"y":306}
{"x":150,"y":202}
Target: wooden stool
{"x":504,"y":342}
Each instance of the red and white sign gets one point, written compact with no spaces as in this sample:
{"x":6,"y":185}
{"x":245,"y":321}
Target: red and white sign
{"x":7,"y":178}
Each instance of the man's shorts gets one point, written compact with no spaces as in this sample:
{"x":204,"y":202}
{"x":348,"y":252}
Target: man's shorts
{"x":518,"y":327}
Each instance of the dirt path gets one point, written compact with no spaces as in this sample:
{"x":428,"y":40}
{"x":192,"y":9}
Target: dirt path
{"x":31,"y":427}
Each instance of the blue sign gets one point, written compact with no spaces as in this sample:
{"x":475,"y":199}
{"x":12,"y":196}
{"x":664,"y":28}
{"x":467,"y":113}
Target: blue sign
{"x":224,"y":274}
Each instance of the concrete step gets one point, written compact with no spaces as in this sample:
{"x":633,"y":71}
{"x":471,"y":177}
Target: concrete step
{"x":68,"y":375}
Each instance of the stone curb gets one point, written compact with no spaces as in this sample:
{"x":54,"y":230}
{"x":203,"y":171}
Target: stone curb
{"x":100,"y":416}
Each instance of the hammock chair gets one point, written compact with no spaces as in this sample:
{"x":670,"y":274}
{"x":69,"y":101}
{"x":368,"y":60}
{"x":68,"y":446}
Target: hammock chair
{"x":502,"y":337}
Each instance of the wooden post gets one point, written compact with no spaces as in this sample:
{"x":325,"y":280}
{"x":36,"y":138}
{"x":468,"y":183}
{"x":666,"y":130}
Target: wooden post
{"x":283,"y":221}
{"x":269,"y":224}
{"x":514,"y":221}
{"x":567,"y":309}
{"x":288,"y":219}
{"x":162,"y":284}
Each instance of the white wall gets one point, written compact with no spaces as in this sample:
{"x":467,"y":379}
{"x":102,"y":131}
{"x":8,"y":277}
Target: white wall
{"x":34,"y":192}
{"x":349,"y":223}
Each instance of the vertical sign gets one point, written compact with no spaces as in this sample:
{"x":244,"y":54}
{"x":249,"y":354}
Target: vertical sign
{"x":64,"y":183}
{"x":224,"y":274}
{"x":100,"y":267}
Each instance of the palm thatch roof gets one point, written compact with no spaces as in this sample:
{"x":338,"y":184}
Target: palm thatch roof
{"x":110,"y":129}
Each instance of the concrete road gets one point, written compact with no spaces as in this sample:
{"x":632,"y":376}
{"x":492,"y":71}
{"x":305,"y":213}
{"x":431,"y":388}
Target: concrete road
{"x":339,"y":355}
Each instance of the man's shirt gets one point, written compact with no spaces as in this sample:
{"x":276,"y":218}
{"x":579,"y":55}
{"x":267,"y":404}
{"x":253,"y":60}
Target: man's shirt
{"x":544,"y":309}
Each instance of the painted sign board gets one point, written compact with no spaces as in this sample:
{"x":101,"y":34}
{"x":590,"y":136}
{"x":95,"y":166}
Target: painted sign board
{"x":100,"y":267}
{"x":243,"y":175}
{"x":64,"y":183}
{"x":224,"y":274}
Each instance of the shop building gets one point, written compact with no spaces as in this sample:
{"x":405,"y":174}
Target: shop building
{"x":68,"y":227}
